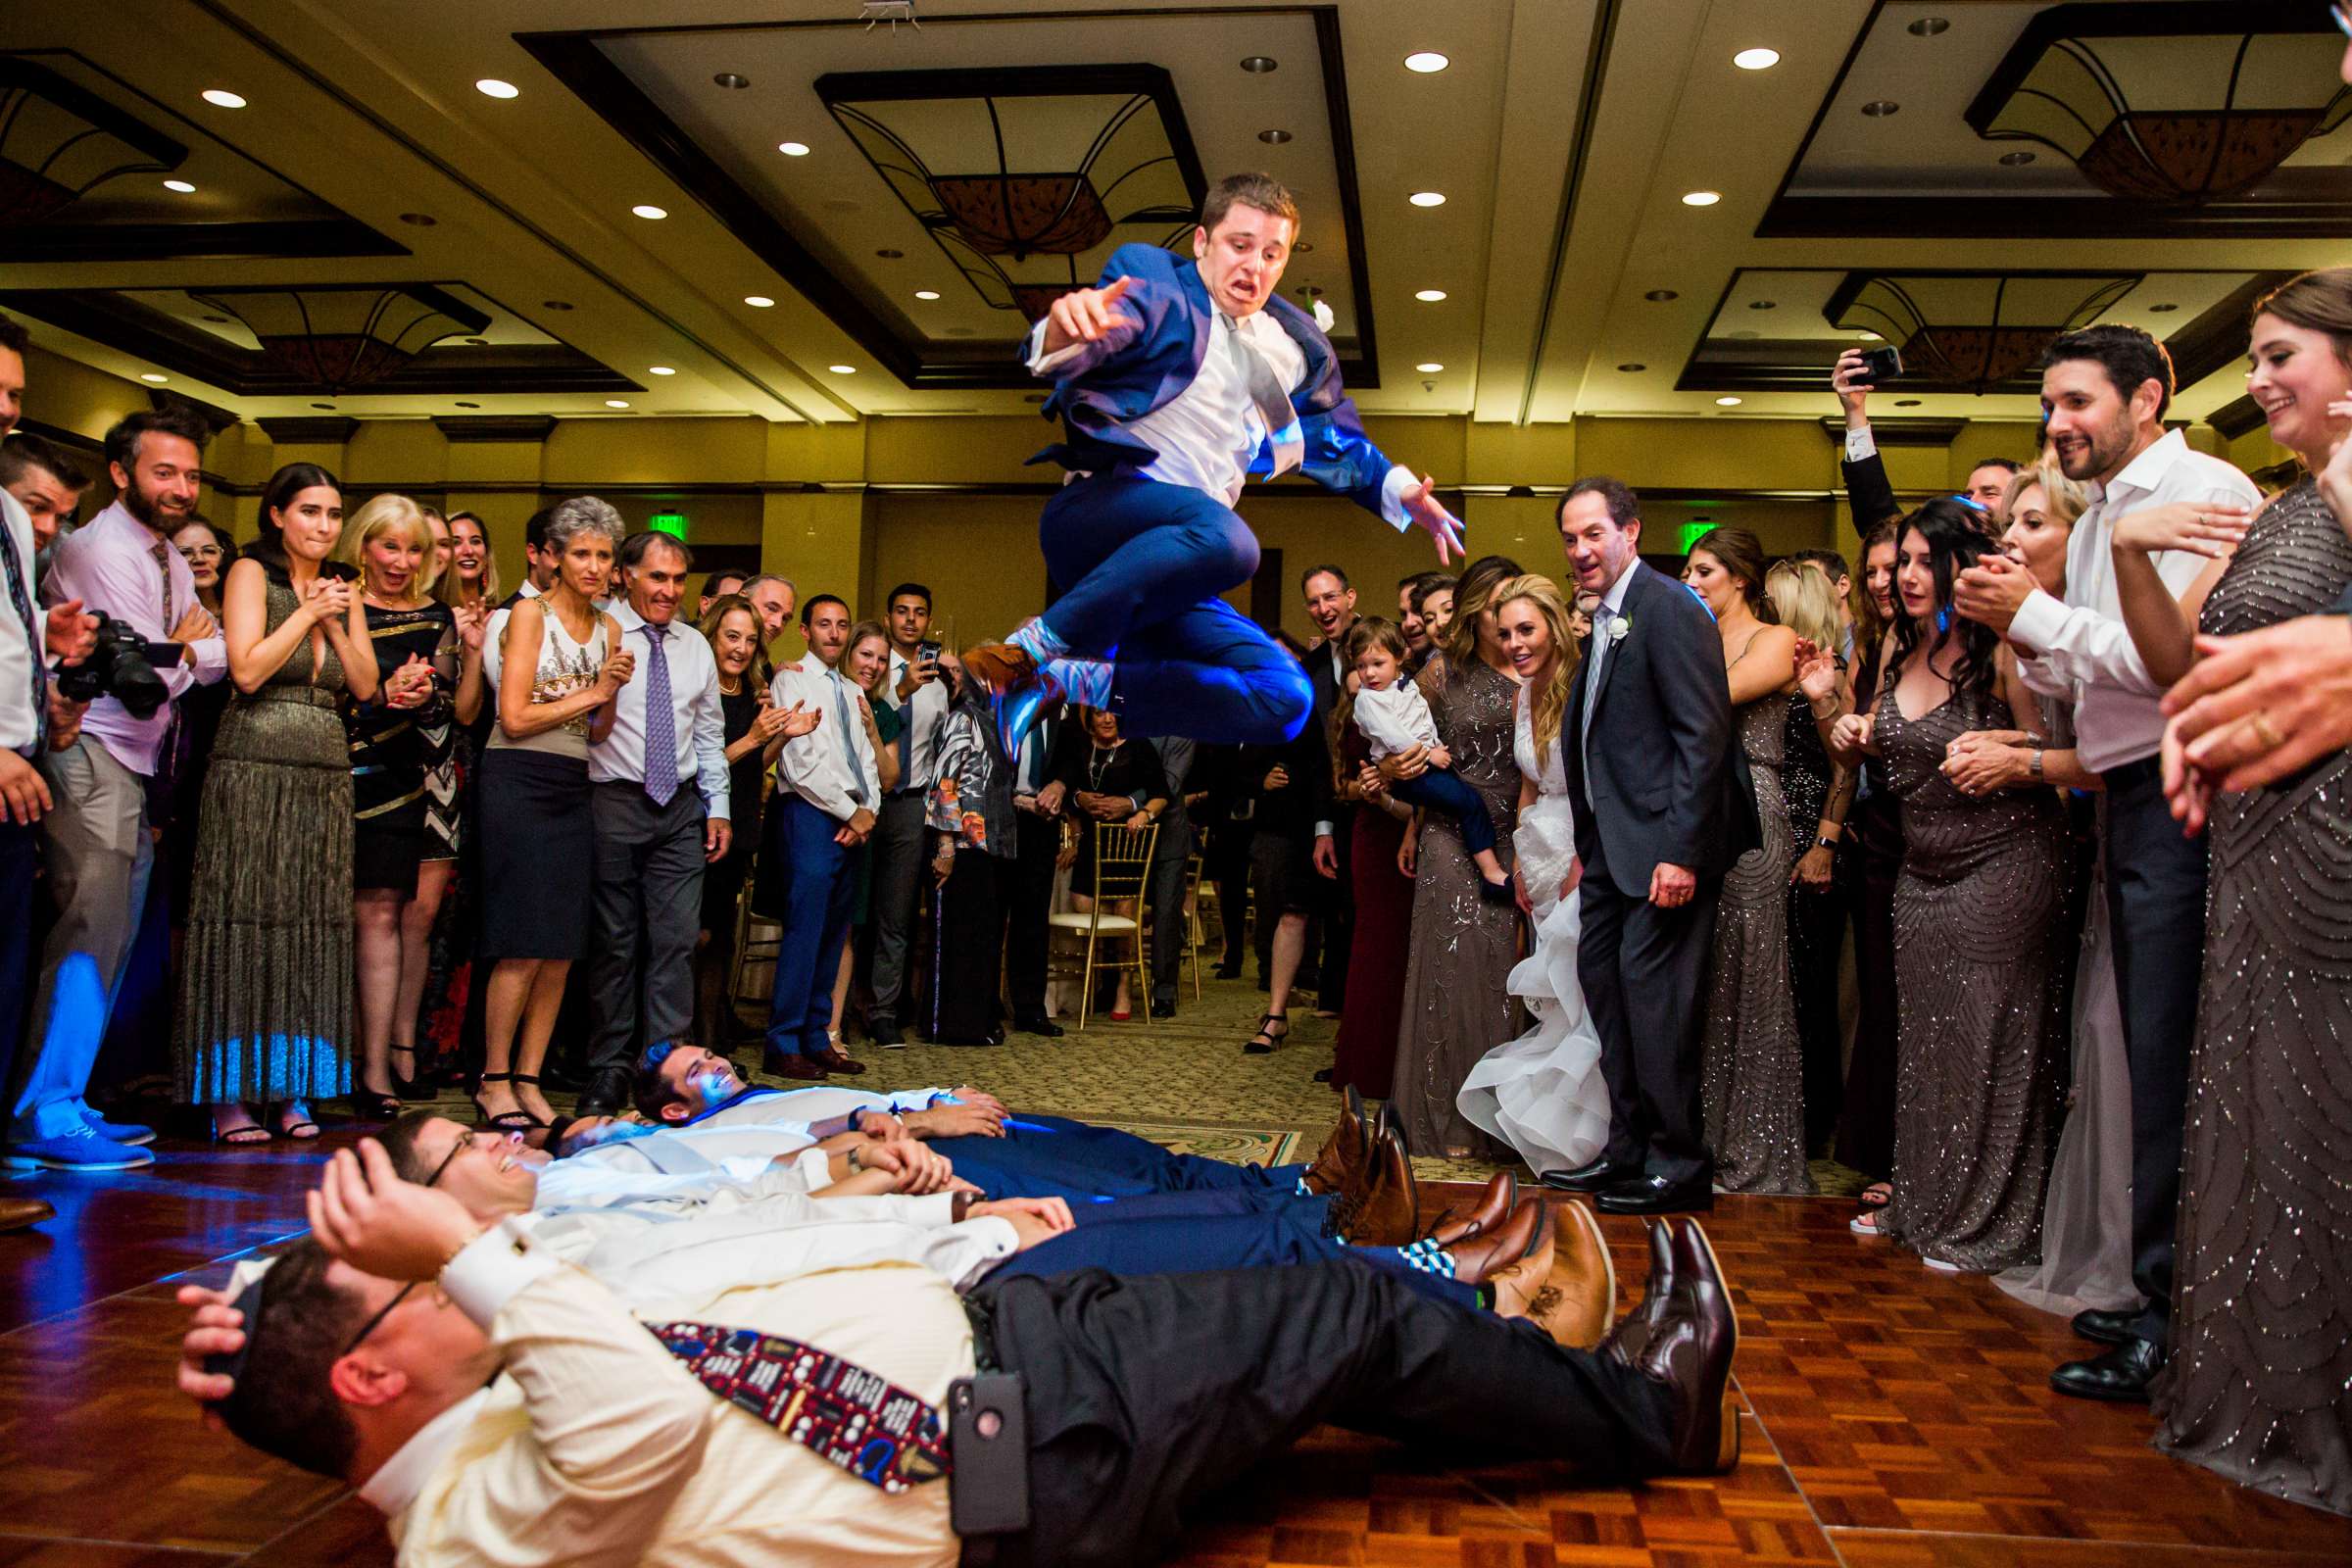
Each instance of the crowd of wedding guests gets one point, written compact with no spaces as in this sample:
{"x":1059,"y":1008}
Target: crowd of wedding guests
{"x":2049,"y":781}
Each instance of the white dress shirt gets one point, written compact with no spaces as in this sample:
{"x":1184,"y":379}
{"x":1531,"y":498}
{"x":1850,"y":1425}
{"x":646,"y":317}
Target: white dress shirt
{"x":815,"y":767}
{"x":1205,"y":436}
{"x":109,"y":565}
{"x":2083,"y":650}
{"x":698,"y":723}
{"x":919,"y":718}
{"x":598,"y":1448}
{"x":1397,"y":719}
{"x":20,"y":725}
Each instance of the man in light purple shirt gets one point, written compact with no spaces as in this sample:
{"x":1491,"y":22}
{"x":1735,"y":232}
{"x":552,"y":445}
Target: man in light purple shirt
{"x":95,"y":841}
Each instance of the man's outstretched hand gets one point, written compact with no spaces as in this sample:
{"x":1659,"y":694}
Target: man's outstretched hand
{"x":1084,"y":315}
{"x":1421,"y":505}
{"x":366,"y":1215}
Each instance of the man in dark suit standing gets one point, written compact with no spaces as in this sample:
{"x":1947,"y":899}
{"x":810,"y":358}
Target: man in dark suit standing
{"x":1331,"y":606}
{"x":1659,"y":820}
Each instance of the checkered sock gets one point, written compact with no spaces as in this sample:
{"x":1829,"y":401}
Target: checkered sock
{"x":1427,"y":1258}
{"x":1304,"y":1190}
{"x":1038,"y":643}
{"x":1084,"y":681}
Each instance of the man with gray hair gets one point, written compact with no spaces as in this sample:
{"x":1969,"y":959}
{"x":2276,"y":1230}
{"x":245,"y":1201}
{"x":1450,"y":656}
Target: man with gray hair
{"x":775,"y":597}
{"x":658,"y":781}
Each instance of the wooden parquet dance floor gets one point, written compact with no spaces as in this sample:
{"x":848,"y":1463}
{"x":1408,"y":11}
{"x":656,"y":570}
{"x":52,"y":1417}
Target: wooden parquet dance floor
{"x":1894,"y":1419}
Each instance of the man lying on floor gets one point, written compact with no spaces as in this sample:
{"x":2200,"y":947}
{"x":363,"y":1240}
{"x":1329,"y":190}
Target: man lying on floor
{"x":684,"y":1232}
{"x":519,"y":1413}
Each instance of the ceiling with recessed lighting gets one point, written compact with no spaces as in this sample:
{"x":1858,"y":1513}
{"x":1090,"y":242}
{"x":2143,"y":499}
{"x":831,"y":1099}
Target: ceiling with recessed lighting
{"x":1523,"y":211}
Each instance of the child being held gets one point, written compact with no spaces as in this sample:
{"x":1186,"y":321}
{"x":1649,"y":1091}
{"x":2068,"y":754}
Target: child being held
{"x":1393,"y":717}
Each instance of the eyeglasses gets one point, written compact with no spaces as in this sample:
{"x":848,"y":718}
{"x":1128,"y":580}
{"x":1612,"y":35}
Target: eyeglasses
{"x":402,"y":1295}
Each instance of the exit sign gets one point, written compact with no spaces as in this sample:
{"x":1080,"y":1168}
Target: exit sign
{"x":1693,"y":532}
{"x":673,"y":524}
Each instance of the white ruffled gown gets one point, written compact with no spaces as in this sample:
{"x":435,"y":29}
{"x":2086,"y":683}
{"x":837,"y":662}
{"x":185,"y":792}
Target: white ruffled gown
{"x":1542,"y":1093}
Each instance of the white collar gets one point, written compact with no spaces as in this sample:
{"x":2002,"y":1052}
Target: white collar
{"x":396,"y":1483}
{"x":1614,"y":600}
{"x":2146,"y":472}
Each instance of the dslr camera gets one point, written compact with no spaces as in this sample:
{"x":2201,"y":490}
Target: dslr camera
{"x":121,"y":666}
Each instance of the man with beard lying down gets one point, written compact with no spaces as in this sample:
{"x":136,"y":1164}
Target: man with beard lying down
{"x":518,"y":1412}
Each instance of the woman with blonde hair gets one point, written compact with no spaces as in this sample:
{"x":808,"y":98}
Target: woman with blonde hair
{"x":1818,"y":794}
{"x":1542,"y":1093}
{"x":404,"y":852}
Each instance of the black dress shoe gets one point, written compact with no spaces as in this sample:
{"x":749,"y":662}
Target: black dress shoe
{"x":1655,"y":1194}
{"x":1591,"y":1177}
{"x":1163,"y":1010}
{"x":882,"y":1032}
{"x":2121,"y":1376}
{"x":606,"y":1090}
{"x":1039,"y":1025}
{"x":2103,"y":1327}
{"x":1684,"y":1338}
{"x":1229,"y":971}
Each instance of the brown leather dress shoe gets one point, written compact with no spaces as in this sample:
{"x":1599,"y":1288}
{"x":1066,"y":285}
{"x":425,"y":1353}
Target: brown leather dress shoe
{"x":1343,"y":1154}
{"x":794,"y":1066}
{"x":1575,"y":1296}
{"x":1690,"y":1354}
{"x":1499,"y":1246}
{"x":1497,"y":1205}
{"x":1388,"y":1213}
{"x":18,"y":1212}
{"x":998,"y":666}
{"x":837,"y":1062}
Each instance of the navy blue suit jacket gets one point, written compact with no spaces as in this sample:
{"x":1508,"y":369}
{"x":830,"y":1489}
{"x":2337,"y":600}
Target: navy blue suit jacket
{"x":1110,"y":384}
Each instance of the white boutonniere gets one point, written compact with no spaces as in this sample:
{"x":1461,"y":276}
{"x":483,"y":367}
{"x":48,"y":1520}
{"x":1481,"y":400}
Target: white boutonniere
{"x":1620,"y":627}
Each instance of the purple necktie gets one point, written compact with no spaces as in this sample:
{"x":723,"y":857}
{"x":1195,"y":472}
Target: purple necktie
{"x":660,"y":721}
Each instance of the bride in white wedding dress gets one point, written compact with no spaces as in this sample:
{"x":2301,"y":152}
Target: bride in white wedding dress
{"x":1542,"y":1093}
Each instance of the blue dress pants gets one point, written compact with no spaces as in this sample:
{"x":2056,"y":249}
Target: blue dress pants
{"x":816,"y":894}
{"x":1140,"y":565}
{"x":1441,"y":790}
{"x":1047,"y":1157}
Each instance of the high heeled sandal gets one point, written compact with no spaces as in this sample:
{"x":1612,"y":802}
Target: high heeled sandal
{"x":1262,"y":1043}
{"x":532,"y":1079}
{"x":505,"y":1121}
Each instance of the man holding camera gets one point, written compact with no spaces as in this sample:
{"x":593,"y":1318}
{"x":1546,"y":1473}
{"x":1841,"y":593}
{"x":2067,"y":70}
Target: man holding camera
{"x":914,"y":689}
{"x":155,"y":641}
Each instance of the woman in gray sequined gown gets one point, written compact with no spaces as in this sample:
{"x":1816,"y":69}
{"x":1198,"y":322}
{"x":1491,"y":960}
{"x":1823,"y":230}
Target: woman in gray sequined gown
{"x":1457,"y":999}
{"x":266,"y":1006}
{"x":1751,"y":1065}
{"x":1980,"y":991}
{"x":2258,"y":1385}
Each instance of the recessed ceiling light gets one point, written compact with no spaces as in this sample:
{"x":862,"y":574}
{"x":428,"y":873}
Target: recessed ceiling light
{"x":1302,"y":247}
{"x":1906,"y":403}
{"x":842,"y":370}
{"x":1259,"y":65}
{"x":223,"y":98}
{"x":1763,"y":304}
{"x":793,"y":148}
{"x":1426,"y":62}
{"x":730,"y":80}
{"x":323,"y":405}
{"x":1429,"y":296}
{"x":492,"y":87}
{"x":1274,"y":136}
{"x":1881,"y":108}
{"x":1659,"y":296}
{"x":462,"y":404}
{"x":1727,"y":402}
{"x":649,"y":212}
{"x":758,"y":302}
{"x":1927,"y":27}
{"x":1428,"y":367}
{"x":159,"y":381}
{"x":1702,"y":198}
{"x":479,"y":342}
{"x":2015,"y":160}
{"x":1633,"y":368}
{"x":2162,"y":310}
{"x":416,"y":219}
{"x":218,"y":320}
{"x":555,"y":305}
{"x":1868,"y":337}
{"x":926,"y":293}
{"x":180,"y":186}
{"x":1427,"y":197}
{"x":616,"y":403}
{"x":891,"y":256}
{"x":1756,"y":59}
{"x":660,"y":369}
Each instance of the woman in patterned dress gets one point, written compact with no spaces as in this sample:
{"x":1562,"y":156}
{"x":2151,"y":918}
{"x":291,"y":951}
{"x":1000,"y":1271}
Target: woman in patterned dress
{"x":2258,"y":1385}
{"x":1981,"y":991}
{"x":403,"y":855}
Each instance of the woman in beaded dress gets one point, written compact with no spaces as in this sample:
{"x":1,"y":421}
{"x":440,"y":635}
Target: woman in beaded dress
{"x":2259,"y":1385}
{"x":1457,"y":1001}
{"x":1751,"y":1066}
{"x":403,"y":857}
{"x":264,"y":1005}
{"x":1976,"y":912}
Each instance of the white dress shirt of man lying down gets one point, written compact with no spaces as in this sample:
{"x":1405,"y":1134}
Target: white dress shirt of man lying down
{"x":516,"y":1411}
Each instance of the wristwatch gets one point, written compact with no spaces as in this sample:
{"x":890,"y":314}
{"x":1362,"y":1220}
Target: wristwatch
{"x":2033,"y":766}
{"x":1825,"y":842}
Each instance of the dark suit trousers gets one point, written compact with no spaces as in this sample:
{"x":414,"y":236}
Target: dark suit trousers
{"x":2156,"y":908}
{"x":902,"y":864}
{"x":1643,"y":971}
{"x":1171,"y":852}
{"x":1148,"y":1394}
{"x":647,"y":896}
{"x":1027,"y":936}
{"x":1339,"y":915}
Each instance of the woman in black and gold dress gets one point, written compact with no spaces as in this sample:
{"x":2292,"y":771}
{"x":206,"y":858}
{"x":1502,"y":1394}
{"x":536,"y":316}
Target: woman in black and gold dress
{"x":1980,"y":985}
{"x":404,"y":852}
{"x":2258,"y":1387}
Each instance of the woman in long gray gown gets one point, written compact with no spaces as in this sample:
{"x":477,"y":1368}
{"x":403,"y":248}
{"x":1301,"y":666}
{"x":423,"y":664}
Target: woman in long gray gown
{"x":1458,"y":1000}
